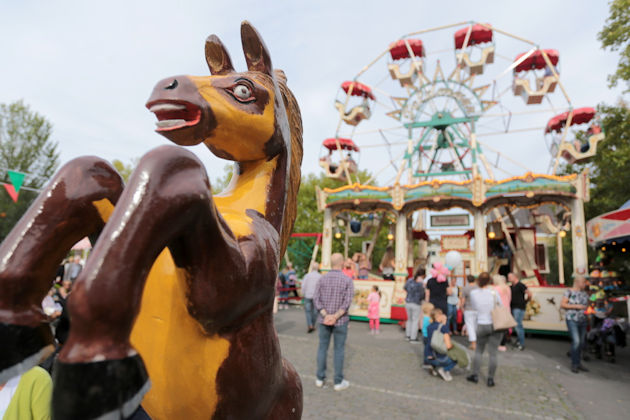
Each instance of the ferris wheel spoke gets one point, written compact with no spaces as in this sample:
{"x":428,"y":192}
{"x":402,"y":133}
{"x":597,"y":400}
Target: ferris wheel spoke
{"x":517,"y":163}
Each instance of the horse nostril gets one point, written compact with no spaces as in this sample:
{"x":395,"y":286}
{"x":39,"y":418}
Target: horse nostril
{"x":173,"y":85}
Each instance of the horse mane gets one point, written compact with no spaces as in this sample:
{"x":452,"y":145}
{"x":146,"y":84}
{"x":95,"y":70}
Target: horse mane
{"x":295,"y":173}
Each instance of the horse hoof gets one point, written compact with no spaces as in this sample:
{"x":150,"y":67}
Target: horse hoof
{"x":110,"y":389}
{"x":22,"y":348}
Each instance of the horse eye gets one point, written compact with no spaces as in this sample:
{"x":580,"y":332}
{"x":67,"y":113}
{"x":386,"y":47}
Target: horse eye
{"x":242,"y":92}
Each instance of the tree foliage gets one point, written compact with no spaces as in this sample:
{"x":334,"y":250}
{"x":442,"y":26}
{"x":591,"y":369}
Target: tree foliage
{"x":610,"y":167}
{"x":311,"y":220}
{"x":219,"y":184}
{"x":125,"y":169}
{"x":616,"y":36}
{"x":25,"y":146}
{"x":609,"y":175}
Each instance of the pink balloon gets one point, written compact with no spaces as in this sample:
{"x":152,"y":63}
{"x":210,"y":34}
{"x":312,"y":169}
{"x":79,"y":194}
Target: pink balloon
{"x":439,"y":272}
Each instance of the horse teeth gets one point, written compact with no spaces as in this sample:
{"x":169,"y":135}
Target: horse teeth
{"x":170,"y":123}
{"x":167,"y":107}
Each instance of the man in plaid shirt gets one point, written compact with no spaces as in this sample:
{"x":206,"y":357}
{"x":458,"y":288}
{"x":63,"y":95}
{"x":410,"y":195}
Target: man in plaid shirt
{"x":332,"y":299}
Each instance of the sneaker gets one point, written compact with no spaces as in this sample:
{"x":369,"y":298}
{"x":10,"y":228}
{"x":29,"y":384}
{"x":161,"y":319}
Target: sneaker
{"x":342,"y":385}
{"x":416,"y":341}
{"x":519,"y":347}
{"x":490,"y":382}
{"x":582,"y":368}
{"x":407,"y":339}
{"x":574,"y":369}
{"x":444,"y":374}
{"x":433,"y":371}
{"x":319,"y":383}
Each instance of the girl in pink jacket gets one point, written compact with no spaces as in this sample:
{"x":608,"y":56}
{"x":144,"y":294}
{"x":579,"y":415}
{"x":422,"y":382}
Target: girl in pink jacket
{"x":374,"y":303}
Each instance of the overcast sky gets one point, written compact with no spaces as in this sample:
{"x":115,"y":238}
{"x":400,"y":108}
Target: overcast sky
{"x":90,"y":66}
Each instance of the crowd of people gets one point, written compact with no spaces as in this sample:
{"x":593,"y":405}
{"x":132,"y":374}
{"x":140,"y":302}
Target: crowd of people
{"x":450,"y":310}
{"x":437,"y":308}
{"x":28,"y":396}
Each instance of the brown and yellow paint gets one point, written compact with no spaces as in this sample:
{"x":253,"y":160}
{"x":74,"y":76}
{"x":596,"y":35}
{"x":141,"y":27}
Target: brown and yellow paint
{"x":179,"y":281}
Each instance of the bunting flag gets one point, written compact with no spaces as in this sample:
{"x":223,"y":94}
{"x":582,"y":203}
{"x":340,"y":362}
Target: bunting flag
{"x":11,"y":190}
{"x":17,"y":178}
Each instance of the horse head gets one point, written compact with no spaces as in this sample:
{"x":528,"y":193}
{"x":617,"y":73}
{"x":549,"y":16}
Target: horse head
{"x":240,"y":116}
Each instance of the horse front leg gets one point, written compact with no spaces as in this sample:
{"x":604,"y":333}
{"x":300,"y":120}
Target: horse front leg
{"x":166,"y":203}
{"x":72,"y":206}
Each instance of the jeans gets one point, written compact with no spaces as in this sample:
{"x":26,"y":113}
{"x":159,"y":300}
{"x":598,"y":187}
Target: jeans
{"x":443,"y":361}
{"x":311,"y":314}
{"x":339,"y":333}
{"x":452,"y":317}
{"x":577,"y":331}
{"x":518,"y":315}
{"x":413,"y":317}
{"x":486,"y":335}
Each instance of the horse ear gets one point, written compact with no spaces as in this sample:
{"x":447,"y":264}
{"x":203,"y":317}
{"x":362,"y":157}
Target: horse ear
{"x":256,"y":53}
{"x":217,"y":56}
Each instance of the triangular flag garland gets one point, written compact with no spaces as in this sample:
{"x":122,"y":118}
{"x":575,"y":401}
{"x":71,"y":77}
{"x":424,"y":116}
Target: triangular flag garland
{"x":17,"y":178}
{"x":11,"y":190}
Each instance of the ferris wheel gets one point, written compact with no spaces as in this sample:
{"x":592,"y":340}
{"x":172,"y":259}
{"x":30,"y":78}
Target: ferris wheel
{"x":442,"y":102}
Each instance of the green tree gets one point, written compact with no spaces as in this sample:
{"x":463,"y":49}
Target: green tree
{"x":609,"y":169}
{"x":219,"y":184}
{"x":616,"y":36}
{"x":125,"y":169}
{"x":310,"y":220}
{"x":610,"y":176}
{"x":25,"y":146}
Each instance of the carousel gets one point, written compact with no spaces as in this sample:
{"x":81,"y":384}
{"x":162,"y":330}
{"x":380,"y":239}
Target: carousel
{"x":437,"y":114}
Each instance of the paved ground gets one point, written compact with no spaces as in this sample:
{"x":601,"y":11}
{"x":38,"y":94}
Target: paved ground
{"x":387,"y":381}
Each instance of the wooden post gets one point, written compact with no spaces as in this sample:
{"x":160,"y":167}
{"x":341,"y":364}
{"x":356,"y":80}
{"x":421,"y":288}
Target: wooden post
{"x":327,"y":240}
{"x":481,"y":243}
{"x":578,"y":235}
{"x":560,"y":257}
{"x":401,"y":244}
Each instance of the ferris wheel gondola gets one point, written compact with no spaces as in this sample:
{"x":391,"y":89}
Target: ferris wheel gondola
{"x":535,"y":65}
{"x":566,"y":144}
{"x":355,"y":114}
{"x":411,"y":50}
{"x":339,"y":168}
{"x":467,"y":40}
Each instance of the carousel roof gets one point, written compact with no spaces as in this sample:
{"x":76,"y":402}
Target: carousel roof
{"x":522,"y":191}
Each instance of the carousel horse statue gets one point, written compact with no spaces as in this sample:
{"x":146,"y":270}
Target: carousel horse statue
{"x":179,"y":287}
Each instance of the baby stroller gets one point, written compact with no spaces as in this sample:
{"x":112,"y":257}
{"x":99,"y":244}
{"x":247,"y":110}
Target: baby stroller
{"x":605,"y":336}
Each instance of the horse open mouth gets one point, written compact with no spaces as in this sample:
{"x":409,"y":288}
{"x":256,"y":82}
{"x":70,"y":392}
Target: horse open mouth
{"x":174,"y":115}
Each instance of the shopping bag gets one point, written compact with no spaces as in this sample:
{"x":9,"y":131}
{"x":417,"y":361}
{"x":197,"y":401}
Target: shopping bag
{"x":437,"y":342}
{"x":502,"y":318}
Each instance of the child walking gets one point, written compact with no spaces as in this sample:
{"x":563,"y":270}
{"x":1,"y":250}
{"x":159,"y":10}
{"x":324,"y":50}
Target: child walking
{"x":374,"y":303}
{"x":426,"y":320}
